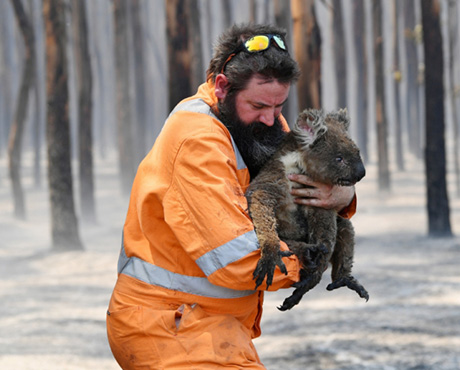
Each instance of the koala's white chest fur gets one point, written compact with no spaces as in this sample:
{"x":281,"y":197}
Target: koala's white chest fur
{"x":293,"y":164}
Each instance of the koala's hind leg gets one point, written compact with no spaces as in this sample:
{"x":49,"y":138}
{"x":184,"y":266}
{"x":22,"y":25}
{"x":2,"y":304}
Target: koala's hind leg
{"x":262,"y":212}
{"x":314,"y":259}
{"x":308,"y":254}
{"x":342,"y":260}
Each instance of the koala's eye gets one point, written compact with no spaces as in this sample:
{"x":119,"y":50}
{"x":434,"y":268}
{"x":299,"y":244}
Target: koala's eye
{"x":339,"y":159}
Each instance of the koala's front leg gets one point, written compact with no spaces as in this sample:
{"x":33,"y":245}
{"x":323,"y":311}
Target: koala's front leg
{"x":262,"y":211}
{"x":342,"y":260}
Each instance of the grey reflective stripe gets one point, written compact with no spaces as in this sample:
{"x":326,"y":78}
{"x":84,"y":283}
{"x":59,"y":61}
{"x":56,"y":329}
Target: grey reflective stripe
{"x":154,"y":275}
{"x":240,"y":165}
{"x":199,"y":106}
{"x":228,"y":253}
{"x":122,"y":259}
{"x":195,"y":106}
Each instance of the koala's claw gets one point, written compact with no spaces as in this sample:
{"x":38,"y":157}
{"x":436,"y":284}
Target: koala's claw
{"x":266,"y":267}
{"x":351,"y":283}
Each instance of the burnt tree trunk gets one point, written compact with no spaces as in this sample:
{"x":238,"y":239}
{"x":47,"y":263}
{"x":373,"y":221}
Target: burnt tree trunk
{"x":85,"y":109}
{"x":252,"y":10}
{"x":38,"y":89}
{"x":283,"y":19}
{"x":140,"y":71}
{"x":359,"y":36}
{"x":340,"y":56}
{"x":22,"y":102}
{"x":307,"y":48}
{"x":179,"y":54}
{"x":64,"y":224}
{"x":380,"y":109}
{"x":125,"y":133}
{"x":196,"y":65}
{"x":435,"y":153}
{"x":397,"y":76}
{"x":411,"y":33}
{"x":452,"y":20}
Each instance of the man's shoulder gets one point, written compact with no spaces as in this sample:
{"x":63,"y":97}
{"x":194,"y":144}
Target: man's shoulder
{"x":194,"y":117}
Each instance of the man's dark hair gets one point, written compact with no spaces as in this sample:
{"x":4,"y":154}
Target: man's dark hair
{"x":272,"y":63}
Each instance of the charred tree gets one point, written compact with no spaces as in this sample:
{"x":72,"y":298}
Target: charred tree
{"x":38,"y":88}
{"x":64,"y":223}
{"x":85,"y":110}
{"x":435,"y":153}
{"x":411,"y":32}
{"x":340,"y":56}
{"x":125,"y":133}
{"x":227,"y":13}
{"x":307,"y":48}
{"x":252,"y":10}
{"x":140,"y":71}
{"x":179,"y":53}
{"x":453,"y":30}
{"x":380,"y":109}
{"x":6,"y":67}
{"x":359,"y":37}
{"x":397,"y":77}
{"x":282,"y":10}
{"x":197,"y":65}
{"x":22,"y":102}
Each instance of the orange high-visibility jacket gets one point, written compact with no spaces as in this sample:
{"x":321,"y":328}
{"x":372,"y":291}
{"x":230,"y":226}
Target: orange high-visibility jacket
{"x":187,"y":236}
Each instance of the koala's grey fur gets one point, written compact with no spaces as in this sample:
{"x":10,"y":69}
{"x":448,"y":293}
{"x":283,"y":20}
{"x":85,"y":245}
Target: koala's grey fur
{"x":320,"y":147}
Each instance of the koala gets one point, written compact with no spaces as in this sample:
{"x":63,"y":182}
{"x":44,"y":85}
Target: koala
{"x":320,"y":147}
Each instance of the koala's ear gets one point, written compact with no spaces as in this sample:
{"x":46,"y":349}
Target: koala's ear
{"x":310,"y":126}
{"x":342,"y":116}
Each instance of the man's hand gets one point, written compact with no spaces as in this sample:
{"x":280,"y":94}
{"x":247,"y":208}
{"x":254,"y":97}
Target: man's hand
{"x":316,"y":194}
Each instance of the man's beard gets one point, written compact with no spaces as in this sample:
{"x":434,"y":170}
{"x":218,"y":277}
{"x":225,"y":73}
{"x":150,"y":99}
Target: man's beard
{"x":256,"y":141}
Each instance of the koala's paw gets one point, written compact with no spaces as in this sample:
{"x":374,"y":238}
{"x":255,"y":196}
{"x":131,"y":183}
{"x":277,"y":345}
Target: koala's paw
{"x":351,"y":283}
{"x":307,"y":282}
{"x":267,"y":264}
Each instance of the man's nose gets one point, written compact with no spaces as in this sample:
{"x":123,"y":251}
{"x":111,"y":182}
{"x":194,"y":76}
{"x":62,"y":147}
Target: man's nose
{"x":268,"y":117}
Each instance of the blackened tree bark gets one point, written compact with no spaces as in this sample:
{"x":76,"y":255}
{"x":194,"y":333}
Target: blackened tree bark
{"x":397,"y":77}
{"x":179,"y":54}
{"x":64,"y":223}
{"x":412,"y":86}
{"x":381,"y":118}
{"x":359,"y":36}
{"x":435,"y":153}
{"x":227,"y":10}
{"x":452,"y":20}
{"x":38,"y":88}
{"x":140,"y":72}
{"x":307,"y":48}
{"x":252,"y":10}
{"x":197,"y":65}
{"x":125,"y":133}
{"x":283,"y":19}
{"x":85,"y":109}
{"x":340,"y":56}
{"x":17,"y":128}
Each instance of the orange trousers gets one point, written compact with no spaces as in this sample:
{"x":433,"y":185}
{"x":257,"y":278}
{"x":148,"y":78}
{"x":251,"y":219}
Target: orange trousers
{"x":184,"y":339}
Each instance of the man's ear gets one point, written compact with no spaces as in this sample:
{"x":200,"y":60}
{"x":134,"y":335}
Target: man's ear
{"x":221,"y":86}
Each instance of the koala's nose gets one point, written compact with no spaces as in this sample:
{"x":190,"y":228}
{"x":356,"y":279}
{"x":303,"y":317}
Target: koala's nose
{"x":360,"y":171}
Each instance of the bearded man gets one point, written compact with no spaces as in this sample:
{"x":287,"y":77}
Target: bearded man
{"x":185,"y":296}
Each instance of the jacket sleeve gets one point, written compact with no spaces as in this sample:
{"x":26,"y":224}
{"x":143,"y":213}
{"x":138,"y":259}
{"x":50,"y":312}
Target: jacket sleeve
{"x":206,"y":207}
{"x":350,"y":210}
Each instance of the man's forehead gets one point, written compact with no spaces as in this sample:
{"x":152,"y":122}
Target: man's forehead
{"x":266,"y":92}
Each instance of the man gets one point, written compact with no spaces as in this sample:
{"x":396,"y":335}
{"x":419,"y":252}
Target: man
{"x":185,"y":295}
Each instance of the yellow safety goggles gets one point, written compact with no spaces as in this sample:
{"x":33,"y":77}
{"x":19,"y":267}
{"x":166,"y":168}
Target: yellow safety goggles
{"x":255,"y":44}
